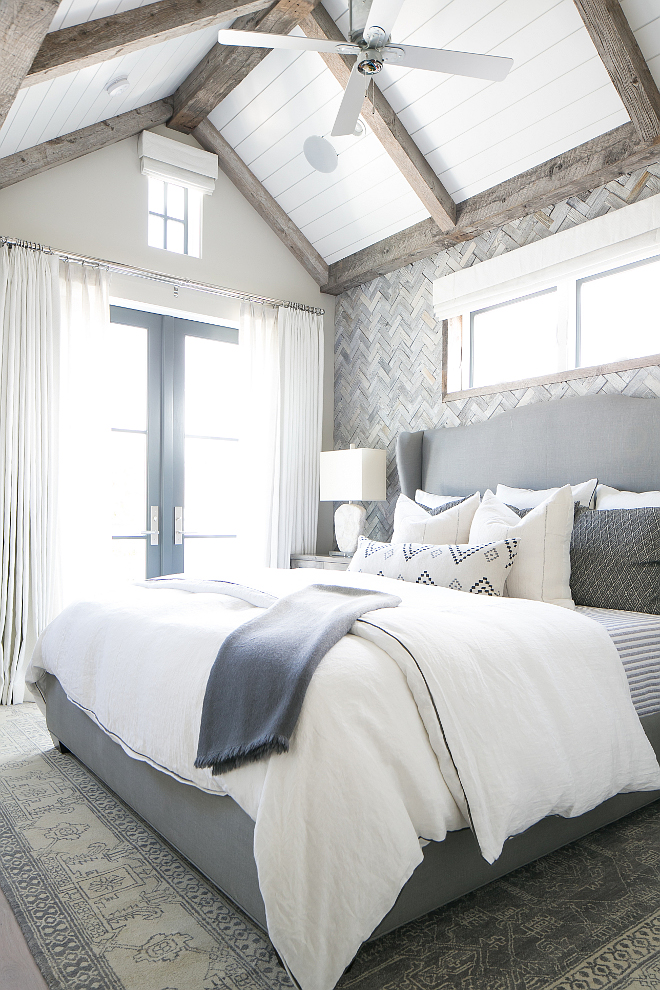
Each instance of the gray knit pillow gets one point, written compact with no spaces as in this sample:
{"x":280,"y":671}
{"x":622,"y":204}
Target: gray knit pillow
{"x":615,"y":559}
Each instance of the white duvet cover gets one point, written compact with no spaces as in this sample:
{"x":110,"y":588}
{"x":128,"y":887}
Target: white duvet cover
{"x":450,"y":709}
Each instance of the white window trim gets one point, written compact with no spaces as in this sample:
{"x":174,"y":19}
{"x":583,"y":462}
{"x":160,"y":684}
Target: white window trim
{"x":560,"y":260}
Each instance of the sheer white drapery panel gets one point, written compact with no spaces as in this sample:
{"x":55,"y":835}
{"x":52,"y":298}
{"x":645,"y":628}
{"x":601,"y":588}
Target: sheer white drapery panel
{"x":84,"y":485}
{"x":296,"y":507}
{"x":282,"y":363}
{"x":29,"y":393}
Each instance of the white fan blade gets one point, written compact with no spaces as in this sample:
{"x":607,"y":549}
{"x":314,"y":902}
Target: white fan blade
{"x":383,"y":14}
{"x":351,"y":104}
{"x":492,"y":67}
{"x":259,"y":39}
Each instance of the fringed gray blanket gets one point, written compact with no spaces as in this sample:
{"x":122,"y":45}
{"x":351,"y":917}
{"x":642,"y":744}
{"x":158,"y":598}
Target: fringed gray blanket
{"x":259,"y":678}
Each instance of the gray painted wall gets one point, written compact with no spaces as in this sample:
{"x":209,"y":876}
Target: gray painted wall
{"x":388,"y":349}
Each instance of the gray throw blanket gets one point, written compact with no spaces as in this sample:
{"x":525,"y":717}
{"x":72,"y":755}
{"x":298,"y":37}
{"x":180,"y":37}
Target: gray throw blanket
{"x":259,"y":678}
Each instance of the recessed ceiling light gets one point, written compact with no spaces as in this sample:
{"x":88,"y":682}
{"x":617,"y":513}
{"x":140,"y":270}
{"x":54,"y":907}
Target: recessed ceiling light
{"x":320,"y":154}
{"x":117,"y":86}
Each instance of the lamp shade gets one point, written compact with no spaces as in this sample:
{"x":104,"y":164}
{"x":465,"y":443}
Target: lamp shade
{"x":356,"y":475}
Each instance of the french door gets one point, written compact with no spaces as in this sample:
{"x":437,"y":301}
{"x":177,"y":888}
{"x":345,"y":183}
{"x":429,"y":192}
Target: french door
{"x":174,"y":428}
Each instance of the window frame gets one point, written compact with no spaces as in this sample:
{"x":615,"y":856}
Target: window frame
{"x":457,"y":328}
{"x":197,"y":200}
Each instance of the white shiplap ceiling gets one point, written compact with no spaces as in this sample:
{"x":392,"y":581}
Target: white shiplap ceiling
{"x":473,"y":133}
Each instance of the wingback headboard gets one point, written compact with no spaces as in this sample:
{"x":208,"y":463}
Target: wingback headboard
{"x":610,"y":437}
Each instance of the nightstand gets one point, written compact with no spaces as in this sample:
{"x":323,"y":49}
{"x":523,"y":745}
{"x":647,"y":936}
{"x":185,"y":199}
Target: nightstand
{"x":327,"y":562}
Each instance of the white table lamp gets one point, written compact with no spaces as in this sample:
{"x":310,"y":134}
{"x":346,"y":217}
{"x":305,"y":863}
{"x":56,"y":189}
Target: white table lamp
{"x":357,"y":475}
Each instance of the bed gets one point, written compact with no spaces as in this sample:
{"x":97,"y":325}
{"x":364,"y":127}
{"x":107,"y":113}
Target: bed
{"x":613,"y":438}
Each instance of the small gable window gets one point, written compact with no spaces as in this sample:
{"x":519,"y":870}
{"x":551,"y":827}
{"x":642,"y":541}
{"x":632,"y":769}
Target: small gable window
{"x":179,"y":176}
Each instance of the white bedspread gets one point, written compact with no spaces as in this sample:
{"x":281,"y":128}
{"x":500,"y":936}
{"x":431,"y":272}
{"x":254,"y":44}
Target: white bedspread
{"x":525,"y":711}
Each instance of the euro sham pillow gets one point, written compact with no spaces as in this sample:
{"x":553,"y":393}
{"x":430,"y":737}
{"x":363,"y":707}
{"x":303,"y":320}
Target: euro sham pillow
{"x":612,"y":498}
{"x":430,"y":501}
{"x":541,"y":570}
{"x":615,"y":559}
{"x":448,"y":523}
{"x":480,"y":570}
{"x":529,"y":498}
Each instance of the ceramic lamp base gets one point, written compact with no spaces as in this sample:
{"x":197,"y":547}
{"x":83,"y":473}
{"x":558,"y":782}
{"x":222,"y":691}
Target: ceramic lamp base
{"x":349,"y":525}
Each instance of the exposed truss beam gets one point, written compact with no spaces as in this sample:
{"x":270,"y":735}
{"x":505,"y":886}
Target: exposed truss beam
{"x":23,"y":26}
{"x":225,"y":66}
{"x":616,"y":44}
{"x":387,"y":127}
{"x":262,"y":201}
{"x":63,"y":149}
{"x":96,"y":41}
{"x":586,"y":167}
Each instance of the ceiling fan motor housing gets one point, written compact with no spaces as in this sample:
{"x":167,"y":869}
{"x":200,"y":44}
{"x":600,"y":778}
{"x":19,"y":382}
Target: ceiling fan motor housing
{"x":370,"y":64}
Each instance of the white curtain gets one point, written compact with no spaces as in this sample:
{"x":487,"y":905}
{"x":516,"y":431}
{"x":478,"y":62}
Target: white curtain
{"x":29,"y":390}
{"x":53,"y":446}
{"x":282,"y":353}
{"x":84,"y":456}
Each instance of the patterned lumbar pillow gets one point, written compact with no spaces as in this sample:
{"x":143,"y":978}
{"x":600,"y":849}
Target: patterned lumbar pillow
{"x":448,"y":523}
{"x":615,"y":559}
{"x":481,"y":570}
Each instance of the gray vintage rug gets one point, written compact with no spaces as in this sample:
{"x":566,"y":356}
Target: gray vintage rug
{"x":106,"y":905}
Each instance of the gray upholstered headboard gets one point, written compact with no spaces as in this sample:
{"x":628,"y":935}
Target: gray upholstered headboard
{"x":610,"y":437}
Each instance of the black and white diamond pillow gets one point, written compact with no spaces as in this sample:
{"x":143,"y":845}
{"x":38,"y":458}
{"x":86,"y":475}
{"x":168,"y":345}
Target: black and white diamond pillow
{"x":479,"y":569}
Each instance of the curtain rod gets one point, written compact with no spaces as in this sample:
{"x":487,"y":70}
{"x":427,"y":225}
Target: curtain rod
{"x":177,"y":283}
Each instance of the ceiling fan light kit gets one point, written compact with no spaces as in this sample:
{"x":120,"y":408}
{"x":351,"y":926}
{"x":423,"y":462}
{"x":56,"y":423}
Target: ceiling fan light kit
{"x":370,"y":27}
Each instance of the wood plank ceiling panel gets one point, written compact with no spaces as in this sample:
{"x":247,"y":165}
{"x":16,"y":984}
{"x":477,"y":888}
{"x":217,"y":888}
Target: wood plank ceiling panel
{"x":72,"y":12}
{"x":267,"y":118}
{"x":68,"y":103}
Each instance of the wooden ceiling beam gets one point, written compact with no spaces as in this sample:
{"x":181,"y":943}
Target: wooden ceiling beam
{"x":225,"y":66}
{"x":23,"y":27}
{"x":386,"y":126}
{"x":97,"y":41}
{"x":261,"y":200}
{"x":41,"y":157}
{"x":577,"y":171}
{"x":621,"y":55}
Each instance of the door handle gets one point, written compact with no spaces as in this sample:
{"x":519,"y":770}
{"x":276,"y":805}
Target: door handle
{"x":153,"y":522}
{"x":178,"y":525}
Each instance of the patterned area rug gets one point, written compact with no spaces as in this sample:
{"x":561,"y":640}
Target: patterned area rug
{"x":106,"y":905}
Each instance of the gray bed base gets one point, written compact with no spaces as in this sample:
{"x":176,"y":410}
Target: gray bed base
{"x":613,"y":438}
{"x":217,"y":836}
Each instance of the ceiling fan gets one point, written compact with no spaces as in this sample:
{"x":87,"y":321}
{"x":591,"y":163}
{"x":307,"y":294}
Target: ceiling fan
{"x":371,"y":23}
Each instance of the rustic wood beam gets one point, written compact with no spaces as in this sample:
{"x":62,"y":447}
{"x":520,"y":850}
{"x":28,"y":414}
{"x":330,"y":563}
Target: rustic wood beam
{"x":97,"y":41}
{"x":41,"y":157}
{"x":23,"y":26}
{"x":621,"y":55}
{"x":226,"y":66}
{"x":386,"y":126}
{"x":258,"y":197}
{"x":577,"y":171}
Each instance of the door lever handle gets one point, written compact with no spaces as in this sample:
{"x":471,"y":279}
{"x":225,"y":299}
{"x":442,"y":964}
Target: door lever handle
{"x":153,"y":522}
{"x":178,"y":525}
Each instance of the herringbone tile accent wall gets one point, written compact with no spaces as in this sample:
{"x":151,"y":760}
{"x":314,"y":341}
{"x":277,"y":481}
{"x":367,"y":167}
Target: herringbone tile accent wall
{"x":388,"y":348}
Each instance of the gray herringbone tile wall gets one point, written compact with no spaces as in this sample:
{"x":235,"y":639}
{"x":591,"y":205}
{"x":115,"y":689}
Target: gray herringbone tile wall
{"x":388,"y":348}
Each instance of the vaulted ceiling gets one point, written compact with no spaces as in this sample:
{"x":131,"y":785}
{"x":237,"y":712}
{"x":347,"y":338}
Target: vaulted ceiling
{"x":442,"y":156}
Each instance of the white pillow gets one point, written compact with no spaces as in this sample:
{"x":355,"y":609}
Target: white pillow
{"x":542,"y":568}
{"x":413,"y":524}
{"x":612,"y":498}
{"x":481,"y":570}
{"x":529,"y":498}
{"x":433,"y":501}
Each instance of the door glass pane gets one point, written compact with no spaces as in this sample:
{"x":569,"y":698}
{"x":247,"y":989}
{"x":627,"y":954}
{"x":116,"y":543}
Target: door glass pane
{"x":127,"y":371}
{"x":211,"y":471}
{"x":128,"y":560}
{"x":209,"y":558}
{"x":517,"y":340}
{"x":619,"y":316}
{"x":212,"y":388}
{"x":128,"y":487}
